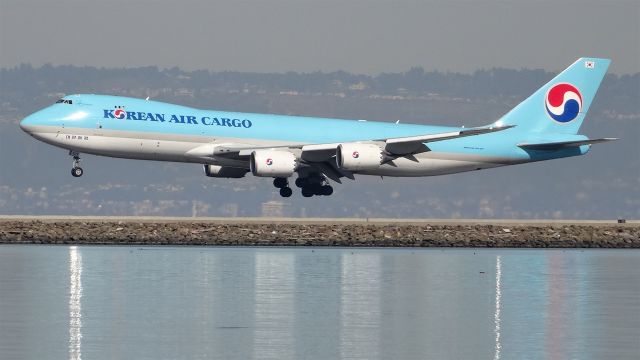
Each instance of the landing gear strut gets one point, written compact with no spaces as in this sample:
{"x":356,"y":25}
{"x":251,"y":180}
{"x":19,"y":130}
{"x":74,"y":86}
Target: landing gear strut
{"x":283,"y":185}
{"x":76,"y":171}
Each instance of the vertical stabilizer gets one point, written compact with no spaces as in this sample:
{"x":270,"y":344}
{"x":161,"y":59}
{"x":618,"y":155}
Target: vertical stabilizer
{"x":560,"y":105}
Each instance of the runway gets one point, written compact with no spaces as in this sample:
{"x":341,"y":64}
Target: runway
{"x":311,"y":221}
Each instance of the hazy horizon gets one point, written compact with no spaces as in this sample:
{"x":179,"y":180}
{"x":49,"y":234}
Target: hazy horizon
{"x":602,"y":185}
{"x":362,"y":37}
{"x":373,"y":75}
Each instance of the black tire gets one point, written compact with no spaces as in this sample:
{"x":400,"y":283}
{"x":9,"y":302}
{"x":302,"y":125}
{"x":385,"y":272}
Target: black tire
{"x":280,"y":182}
{"x":316,"y":188}
{"x":286,"y":192}
{"x":327,"y":190}
{"x":307,"y":191}
{"x":77,"y":172}
{"x":301,"y":182}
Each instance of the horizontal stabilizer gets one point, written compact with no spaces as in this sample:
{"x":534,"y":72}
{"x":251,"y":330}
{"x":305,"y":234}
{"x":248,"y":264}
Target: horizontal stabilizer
{"x":563,"y":144}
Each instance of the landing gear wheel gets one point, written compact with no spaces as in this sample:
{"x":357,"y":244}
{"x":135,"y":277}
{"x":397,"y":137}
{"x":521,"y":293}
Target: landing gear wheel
{"x":307,"y":191}
{"x":301,"y":182}
{"x":77,"y":172}
{"x":280,"y":182}
{"x":326,"y":190}
{"x":316,"y":189}
{"x":286,"y":192}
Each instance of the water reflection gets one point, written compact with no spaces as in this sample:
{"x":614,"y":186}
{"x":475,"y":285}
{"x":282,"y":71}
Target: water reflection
{"x":274,"y":306}
{"x":559,"y":290}
{"x":360,"y":306}
{"x":243,"y":303}
{"x":75,"y":304}
{"x":496,"y":316}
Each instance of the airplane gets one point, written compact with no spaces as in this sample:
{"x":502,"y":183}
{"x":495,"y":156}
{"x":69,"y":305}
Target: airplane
{"x":319,"y":150}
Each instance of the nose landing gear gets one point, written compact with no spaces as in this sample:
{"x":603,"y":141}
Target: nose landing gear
{"x":76,"y":171}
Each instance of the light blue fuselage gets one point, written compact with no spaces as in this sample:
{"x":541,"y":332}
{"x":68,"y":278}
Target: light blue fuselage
{"x":141,"y":129}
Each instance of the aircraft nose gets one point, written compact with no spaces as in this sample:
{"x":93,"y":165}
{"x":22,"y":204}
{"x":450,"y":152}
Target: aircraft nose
{"x":26,"y":123}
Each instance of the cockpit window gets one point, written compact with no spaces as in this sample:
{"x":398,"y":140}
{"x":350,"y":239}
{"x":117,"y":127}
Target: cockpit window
{"x":64,"y":101}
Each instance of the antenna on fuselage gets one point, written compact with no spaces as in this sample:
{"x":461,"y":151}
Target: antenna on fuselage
{"x":147,"y":99}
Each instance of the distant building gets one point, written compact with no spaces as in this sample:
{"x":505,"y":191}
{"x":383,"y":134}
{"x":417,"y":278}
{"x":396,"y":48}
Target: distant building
{"x":184,"y":92}
{"x":231,"y":209}
{"x":273,"y":208}
{"x":359,"y":86}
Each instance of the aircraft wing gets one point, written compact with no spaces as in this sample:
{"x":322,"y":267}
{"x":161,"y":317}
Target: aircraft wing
{"x":320,"y":156}
{"x":394,"y":146}
{"x":562,"y":144}
{"x":415,"y":144}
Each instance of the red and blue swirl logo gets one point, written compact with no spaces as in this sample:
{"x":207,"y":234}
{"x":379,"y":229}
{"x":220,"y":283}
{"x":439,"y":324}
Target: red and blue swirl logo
{"x":563,"y":102}
{"x":119,"y":114}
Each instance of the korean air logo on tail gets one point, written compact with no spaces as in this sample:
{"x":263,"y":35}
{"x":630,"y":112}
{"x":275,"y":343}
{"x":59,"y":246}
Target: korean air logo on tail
{"x":563,"y":102}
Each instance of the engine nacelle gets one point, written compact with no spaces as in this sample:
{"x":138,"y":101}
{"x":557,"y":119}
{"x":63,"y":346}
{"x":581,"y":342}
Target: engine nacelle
{"x":355,"y":156}
{"x":224,"y":171}
{"x":273,"y":163}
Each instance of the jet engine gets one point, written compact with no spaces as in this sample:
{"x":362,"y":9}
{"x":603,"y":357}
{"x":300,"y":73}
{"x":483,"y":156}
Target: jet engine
{"x":356,"y":156}
{"x":224,"y":171}
{"x":273,"y":163}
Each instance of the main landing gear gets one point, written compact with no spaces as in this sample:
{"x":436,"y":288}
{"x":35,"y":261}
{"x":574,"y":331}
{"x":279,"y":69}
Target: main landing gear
{"x":76,"y":171}
{"x":314,"y":184}
{"x":283,"y":185}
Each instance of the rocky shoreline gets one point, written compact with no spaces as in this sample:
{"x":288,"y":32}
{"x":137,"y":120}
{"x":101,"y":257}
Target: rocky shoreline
{"x":552,"y":235}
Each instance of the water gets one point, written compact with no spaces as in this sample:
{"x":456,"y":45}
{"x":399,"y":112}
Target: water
{"x":300,"y":303}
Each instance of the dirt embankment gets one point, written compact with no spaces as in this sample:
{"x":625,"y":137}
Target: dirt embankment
{"x":321,"y":234}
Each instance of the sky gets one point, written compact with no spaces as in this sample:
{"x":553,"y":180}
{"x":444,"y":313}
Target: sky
{"x":366,"y":37}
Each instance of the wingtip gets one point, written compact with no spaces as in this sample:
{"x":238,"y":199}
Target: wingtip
{"x":501,"y":127}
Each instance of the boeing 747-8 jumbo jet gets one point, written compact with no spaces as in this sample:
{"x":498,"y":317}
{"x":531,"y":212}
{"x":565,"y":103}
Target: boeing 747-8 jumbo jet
{"x":230,"y":144}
